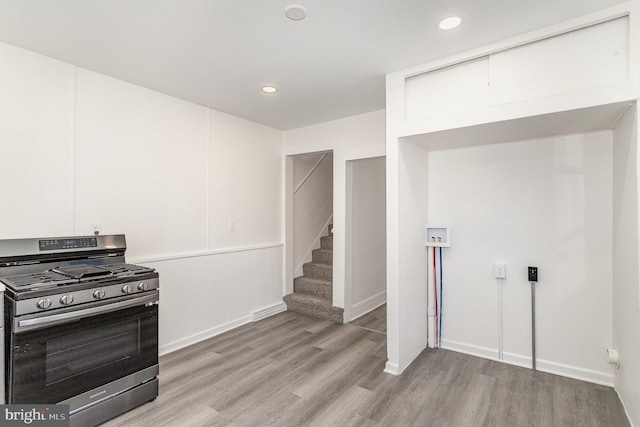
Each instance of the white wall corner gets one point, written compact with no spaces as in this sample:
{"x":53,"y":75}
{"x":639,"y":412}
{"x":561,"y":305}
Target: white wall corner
{"x":392,"y":368}
{"x":339,"y":224}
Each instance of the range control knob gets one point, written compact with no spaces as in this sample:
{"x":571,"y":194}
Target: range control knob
{"x":126,"y":289}
{"x":142,"y":286}
{"x":66,"y":299}
{"x":98,"y":293}
{"x":44,"y":303}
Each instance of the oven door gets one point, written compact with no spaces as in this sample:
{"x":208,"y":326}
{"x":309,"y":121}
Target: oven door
{"x":57,"y":356}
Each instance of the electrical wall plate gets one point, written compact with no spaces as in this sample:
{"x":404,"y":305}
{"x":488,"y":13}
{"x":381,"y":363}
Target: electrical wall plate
{"x":500,"y":270}
{"x":437,"y":236}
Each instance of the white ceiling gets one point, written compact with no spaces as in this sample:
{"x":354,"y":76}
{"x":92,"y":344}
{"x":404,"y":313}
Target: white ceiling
{"x":218,"y":53}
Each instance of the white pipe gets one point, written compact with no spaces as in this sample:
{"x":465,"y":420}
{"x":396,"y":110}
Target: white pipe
{"x":500,"y":318}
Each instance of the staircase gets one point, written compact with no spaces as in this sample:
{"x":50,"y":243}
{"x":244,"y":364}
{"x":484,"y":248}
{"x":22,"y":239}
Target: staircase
{"x":313,"y":291}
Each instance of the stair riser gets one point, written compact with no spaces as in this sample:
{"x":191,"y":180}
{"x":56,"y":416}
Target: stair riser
{"x":335,"y":318}
{"x":322,"y":256}
{"x":323,"y":290}
{"x":333,"y":314}
{"x":326,"y":242}
{"x":318,"y":271}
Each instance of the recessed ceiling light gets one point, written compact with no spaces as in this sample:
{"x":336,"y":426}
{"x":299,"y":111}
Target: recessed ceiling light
{"x":295,"y":12}
{"x":269,"y":89}
{"x":450,"y":22}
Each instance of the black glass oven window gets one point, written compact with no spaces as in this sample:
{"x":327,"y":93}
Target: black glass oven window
{"x":52,"y":364}
{"x":75,"y":354}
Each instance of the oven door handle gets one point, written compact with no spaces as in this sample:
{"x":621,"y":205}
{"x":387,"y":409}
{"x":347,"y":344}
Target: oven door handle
{"x":56,"y":319}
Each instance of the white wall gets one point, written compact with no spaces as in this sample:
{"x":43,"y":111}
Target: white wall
{"x":368,"y":235}
{"x":37,"y":98}
{"x":626,"y":283}
{"x":245,"y":182}
{"x":409,"y":314}
{"x":360,"y":132}
{"x":140,"y":166}
{"x":79,"y":147}
{"x":544,"y":203}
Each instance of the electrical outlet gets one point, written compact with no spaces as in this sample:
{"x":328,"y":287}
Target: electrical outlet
{"x":96,"y":227}
{"x":500,"y":270}
{"x":533,"y":274}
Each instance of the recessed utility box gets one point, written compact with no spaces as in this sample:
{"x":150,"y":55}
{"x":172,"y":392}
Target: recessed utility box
{"x":437,"y":235}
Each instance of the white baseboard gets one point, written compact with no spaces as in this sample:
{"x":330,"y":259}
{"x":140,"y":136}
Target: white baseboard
{"x":370,"y":304}
{"x":392,"y":368}
{"x":626,"y":412}
{"x":470,"y":349}
{"x":263,"y":313}
{"x":201,"y":336}
{"x":210,"y":333}
{"x":597,"y":377}
{"x":569,"y":371}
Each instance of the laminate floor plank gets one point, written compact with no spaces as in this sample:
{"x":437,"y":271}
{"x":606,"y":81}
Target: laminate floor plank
{"x":474,"y":402}
{"x":294,"y":370}
{"x":375,"y":320}
{"x":344,"y":411}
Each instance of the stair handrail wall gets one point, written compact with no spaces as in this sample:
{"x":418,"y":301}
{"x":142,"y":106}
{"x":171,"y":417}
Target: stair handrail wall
{"x":313,"y":169}
{"x":315,"y":245}
{"x":312,"y":215}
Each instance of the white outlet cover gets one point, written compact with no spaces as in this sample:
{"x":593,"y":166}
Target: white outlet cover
{"x":500,"y":270}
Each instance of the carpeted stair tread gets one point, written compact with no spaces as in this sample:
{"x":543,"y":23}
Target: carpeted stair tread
{"x":318,"y":287}
{"x":315,"y":306}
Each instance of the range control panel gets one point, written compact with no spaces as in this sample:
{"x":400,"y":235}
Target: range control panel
{"x":75,"y":243}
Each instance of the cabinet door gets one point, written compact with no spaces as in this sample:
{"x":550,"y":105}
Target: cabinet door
{"x":460,"y":87}
{"x":580,"y":59}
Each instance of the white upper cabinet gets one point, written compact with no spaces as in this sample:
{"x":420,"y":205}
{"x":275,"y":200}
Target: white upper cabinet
{"x":460,"y":87}
{"x":589,"y":57}
{"x":585,"y":58}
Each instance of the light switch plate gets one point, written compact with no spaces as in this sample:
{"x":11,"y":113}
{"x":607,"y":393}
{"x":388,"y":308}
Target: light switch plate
{"x":500,"y":270}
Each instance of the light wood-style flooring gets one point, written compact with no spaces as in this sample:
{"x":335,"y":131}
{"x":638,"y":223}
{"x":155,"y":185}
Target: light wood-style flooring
{"x":375,"y":320}
{"x":293,"y":370}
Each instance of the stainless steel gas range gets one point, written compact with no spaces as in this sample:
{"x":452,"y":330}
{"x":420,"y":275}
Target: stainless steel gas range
{"x":81,"y":326}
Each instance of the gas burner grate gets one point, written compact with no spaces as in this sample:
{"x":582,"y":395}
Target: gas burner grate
{"x":37,"y":280}
{"x":124,"y":270}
